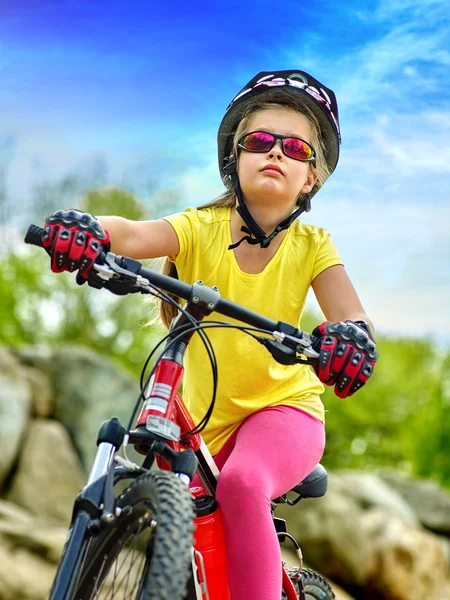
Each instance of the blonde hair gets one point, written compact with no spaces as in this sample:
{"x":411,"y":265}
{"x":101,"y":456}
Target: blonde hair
{"x":228,"y":199}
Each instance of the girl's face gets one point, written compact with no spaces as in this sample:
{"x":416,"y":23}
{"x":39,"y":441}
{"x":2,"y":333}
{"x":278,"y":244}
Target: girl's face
{"x":282,"y":184}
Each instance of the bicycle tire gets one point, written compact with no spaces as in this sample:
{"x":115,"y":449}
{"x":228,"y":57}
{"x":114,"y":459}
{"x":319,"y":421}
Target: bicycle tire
{"x":157,"y":507}
{"x":315,"y":587}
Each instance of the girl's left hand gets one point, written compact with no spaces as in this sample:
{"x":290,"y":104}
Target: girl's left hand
{"x":347,"y":355}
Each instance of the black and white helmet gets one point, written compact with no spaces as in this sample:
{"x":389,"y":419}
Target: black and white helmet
{"x":273,"y":87}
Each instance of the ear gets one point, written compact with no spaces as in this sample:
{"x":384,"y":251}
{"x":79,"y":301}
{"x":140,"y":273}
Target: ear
{"x":309,"y":183}
{"x":229,"y":166}
{"x":232,"y":159}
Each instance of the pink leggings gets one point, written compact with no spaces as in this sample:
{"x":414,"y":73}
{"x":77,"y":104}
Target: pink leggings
{"x":270,"y":453}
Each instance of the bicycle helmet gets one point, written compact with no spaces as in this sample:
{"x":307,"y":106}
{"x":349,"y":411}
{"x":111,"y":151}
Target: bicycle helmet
{"x":274,"y":86}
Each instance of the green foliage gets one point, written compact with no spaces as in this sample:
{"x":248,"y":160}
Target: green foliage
{"x":40,"y":307}
{"x":398,"y":418}
{"x":113,"y":201}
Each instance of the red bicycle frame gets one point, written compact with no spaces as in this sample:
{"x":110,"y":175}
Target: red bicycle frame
{"x":164,"y":413}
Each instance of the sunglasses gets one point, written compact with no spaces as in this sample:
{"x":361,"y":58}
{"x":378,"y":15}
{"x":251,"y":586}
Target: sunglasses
{"x":263,"y":141}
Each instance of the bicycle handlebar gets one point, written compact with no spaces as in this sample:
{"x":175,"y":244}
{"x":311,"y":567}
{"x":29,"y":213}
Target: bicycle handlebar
{"x":111,"y":267}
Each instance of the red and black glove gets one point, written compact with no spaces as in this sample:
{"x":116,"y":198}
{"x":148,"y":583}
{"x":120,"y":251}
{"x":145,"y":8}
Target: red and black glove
{"x":73,"y":240}
{"x":347,"y":355}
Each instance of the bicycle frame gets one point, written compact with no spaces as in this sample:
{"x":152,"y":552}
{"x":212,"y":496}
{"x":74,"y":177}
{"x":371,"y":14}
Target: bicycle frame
{"x":165,"y":414}
{"x":95,"y":503}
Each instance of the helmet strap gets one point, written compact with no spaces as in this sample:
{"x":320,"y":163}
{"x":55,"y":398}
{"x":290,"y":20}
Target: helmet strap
{"x":256,"y":235}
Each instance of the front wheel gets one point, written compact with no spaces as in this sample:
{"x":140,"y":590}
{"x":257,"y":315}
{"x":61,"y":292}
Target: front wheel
{"x":314,"y":586}
{"x":145,"y":553}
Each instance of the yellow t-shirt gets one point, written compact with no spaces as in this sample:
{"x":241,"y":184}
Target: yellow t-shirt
{"x":249,"y":378}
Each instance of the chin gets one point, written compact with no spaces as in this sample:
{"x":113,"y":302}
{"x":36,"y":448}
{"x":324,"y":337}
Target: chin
{"x":268,"y":189}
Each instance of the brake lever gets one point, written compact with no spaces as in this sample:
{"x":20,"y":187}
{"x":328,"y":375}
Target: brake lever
{"x":301,"y":345}
{"x":118,"y":274}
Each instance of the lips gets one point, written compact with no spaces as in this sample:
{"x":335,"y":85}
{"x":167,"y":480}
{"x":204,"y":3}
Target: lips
{"x":272,"y":167}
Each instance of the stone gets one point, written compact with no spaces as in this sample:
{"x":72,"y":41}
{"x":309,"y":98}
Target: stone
{"x":90,"y":389}
{"x":15,"y":406}
{"x":369,"y":490}
{"x":11,"y":513}
{"x":30,"y":549}
{"x":41,"y":392}
{"x":408,"y":563}
{"x":49,"y":474}
{"x":327,"y":531}
{"x":24,"y":575}
{"x":39,"y":356}
{"x":430,"y":502}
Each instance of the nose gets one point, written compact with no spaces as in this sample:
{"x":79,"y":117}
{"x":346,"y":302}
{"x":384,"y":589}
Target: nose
{"x":276,"y":150}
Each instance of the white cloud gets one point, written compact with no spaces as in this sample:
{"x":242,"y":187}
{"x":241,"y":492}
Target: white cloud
{"x":432,"y":9}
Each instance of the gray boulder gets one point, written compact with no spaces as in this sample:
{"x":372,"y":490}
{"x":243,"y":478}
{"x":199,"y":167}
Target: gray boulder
{"x":29,"y":552}
{"x":42,"y":397}
{"x":362,"y":534}
{"x":328,"y":533}
{"x":39,"y":356}
{"x":430,"y":502}
{"x":407,"y":563}
{"x":49,"y":473}
{"x":90,"y":389}
{"x":15,"y":406}
{"x":369,"y":490}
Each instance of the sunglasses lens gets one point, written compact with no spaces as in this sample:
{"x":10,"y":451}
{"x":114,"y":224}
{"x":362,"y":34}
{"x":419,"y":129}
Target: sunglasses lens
{"x":259,"y":141}
{"x":298,"y":149}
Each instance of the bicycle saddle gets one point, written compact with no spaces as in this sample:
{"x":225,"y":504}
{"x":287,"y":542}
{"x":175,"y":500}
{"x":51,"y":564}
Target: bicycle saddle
{"x":314,"y":485}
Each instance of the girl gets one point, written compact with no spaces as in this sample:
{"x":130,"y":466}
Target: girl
{"x":278,"y":142}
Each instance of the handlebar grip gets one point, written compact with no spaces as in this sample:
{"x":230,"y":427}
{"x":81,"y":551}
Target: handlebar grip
{"x":34,"y":236}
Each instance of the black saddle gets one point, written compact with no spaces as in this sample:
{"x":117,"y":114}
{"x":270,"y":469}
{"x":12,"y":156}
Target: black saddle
{"x":313,"y":486}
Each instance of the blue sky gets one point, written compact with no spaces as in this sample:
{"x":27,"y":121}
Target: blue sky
{"x":139,"y":90}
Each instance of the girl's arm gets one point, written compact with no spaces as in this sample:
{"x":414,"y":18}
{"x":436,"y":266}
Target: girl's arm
{"x":141,"y":239}
{"x":338,"y":298}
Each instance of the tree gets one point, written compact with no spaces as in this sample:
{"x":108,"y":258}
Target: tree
{"x":39,"y":306}
{"x":113,"y":201}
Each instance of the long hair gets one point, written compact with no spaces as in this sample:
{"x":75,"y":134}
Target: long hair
{"x":228,"y":199}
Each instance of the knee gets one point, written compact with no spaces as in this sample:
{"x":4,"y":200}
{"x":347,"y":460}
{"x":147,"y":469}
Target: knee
{"x":236,"y":487}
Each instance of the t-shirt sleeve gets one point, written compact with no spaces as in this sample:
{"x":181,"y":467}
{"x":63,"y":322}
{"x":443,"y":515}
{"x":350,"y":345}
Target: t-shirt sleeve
{"x":185,"y":225}
{"x":326,"y":255}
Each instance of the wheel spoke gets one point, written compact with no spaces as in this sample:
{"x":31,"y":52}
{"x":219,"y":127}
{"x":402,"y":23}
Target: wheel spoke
{"x":121,"y":562}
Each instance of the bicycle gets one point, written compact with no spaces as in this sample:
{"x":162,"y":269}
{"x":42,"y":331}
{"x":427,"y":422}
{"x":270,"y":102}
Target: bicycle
{"x":156,"y":538}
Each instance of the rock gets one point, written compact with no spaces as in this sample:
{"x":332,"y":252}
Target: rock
{"x":328,"y":533}
{"x":43,"y":540}
{"x":90,"y":389}
{"x":430,"y":502}
{"x":359,"y":536}
{"x":24,"y":576}
{"x":49,"y":474}
{"x":39,"y":356}
{"x":41,"y":392}
{"x":29,"y":552}
{"x":15,"y":403}
{"x":11,"y":513}
{"x":369,"y":490}
{"x":408,"y":563}
{"x":445,"y":541}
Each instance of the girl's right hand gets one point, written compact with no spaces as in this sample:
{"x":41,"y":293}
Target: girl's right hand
{"x":73,"y":240}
